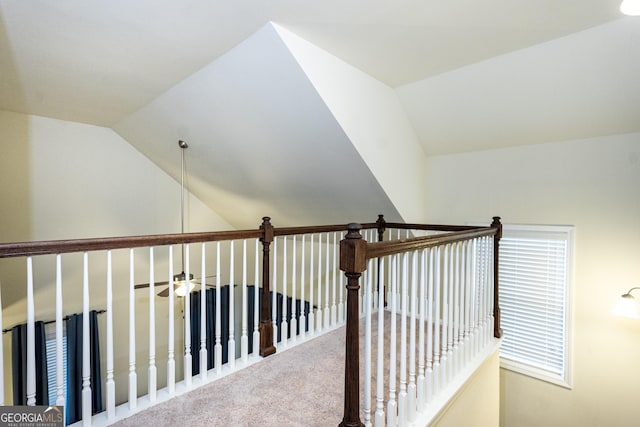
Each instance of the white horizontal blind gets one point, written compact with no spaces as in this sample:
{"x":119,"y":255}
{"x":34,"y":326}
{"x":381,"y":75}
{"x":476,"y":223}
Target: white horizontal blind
{"x":534,"y":277}
{"x":50,"y":336}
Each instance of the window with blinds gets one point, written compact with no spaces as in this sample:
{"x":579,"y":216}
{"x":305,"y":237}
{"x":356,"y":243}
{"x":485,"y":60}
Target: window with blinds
{"x":535,"y":301}
{"x":50,"y":334}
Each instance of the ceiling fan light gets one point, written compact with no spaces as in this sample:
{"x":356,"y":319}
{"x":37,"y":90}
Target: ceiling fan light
{"x":182,"y":286}
{"x":630,"y":7}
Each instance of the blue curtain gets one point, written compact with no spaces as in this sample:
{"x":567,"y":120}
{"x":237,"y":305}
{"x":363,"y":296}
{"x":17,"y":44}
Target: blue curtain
{"x":19,"y":364}
{"x":224,"y":318}
{"x":74,"y":366}
{"x":211,"y":326}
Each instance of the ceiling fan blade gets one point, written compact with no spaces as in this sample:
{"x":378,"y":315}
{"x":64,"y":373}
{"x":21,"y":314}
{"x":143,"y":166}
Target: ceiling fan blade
{"x":146,"y":285}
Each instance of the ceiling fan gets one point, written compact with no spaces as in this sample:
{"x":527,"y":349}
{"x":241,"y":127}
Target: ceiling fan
{"x":179,"y":280}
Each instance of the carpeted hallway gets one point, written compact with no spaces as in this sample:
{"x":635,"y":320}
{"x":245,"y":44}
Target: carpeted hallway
{"x":301,"y":386}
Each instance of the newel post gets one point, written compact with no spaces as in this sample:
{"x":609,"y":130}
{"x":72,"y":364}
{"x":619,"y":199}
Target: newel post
{"x":266,"y":328}
{"x":497,"y":330}
{"x":353,"y":263}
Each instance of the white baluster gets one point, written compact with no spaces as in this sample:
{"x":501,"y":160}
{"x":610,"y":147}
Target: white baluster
{"x":392,"y":405}
{"x":450,"y":311}
{"x":456,"y":307}
{"x":232,"y":312}
{"x":60,"y":398}
{"x":399,"y":288}
{"x":320,"y":308}
{"x":483,"y":293}
{"x":467,"y":301}
{"x":421,"y":390}
{"x":311,"y":278}
{"x":444,"y":356}
{"x":327,"y":310}
{"x":334,"y":308}
{"x":341,"y":306}
{"x":429,"y":379}
{"x":31,"y":338}
{"x":171,"y":363}
{"x":256,"y":300}
{"x":153,"y":375}
{"x":133,"y":379}
{"x":437,"y":324}
{"x":412,"y":389}
{"x":293,"y":325}
{"x":218,"y":346}
{"x":303,"y":318}
{"x":367,"y":342}
{"x":376,"y":281}
{"x":463,"y":300}
{"x":379,"y":417}
{"x":389,"y":280}
{"x":284,"y":326}
{"x":86,"y":345}
{"x":274,"y":293}
{"x":110,"y":386}
{"x":474,"y":297}
{"x":204,"y":366}
{"x":188,"y":360}
{"x":489,"y":294}
{"x":244,"y":338}
{"x":402,"y":395}
{"x":480,"y":301}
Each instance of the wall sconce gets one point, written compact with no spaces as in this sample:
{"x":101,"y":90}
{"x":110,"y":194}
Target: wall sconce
{"x":627,"y":306}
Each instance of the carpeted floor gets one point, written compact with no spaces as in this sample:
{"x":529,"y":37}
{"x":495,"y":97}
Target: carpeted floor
{"x":302,"y":386}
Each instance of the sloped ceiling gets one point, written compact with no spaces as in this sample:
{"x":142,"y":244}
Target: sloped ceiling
{"x":580,"y":86}
{"x":469,"y":75}
{"x":262,"y":142}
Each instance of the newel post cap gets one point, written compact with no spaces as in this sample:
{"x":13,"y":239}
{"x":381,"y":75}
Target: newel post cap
{"x":353,"y":250}
{"x":267,"y":230}
{"x":497,"y":224}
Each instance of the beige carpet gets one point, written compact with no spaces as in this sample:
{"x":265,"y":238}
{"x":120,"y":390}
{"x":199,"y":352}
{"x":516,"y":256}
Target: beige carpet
{"x":301,"y":386}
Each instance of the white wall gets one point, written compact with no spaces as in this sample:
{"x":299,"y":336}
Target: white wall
{"x":62,"y":180}
{"x":372,"y":117}
{"x":593,"y":184}
{"x":477,"y":403}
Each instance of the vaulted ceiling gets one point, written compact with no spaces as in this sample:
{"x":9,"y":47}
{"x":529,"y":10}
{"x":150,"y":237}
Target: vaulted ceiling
{"x":467,"y":75}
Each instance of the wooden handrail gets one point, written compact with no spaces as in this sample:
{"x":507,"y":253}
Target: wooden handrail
{"x":380,"y":249}
{"x":290,"y":231}
{"x":50,"y":247}
{"x":429,"y":227}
